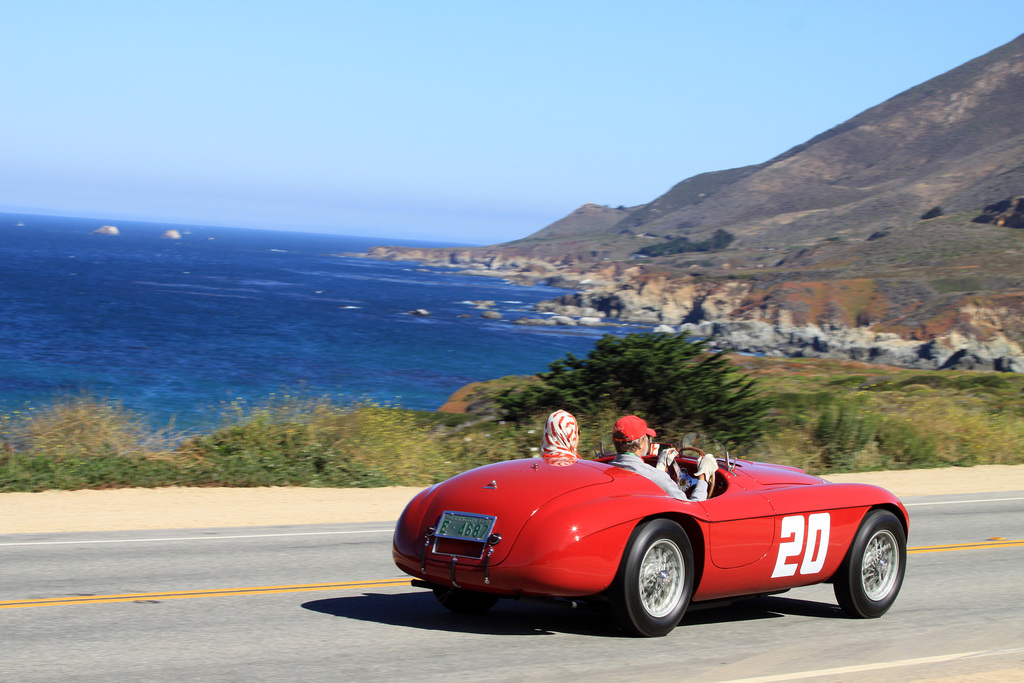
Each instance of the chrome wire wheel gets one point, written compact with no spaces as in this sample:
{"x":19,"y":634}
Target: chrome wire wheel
{"x":871,"y":574}
{"x":661,"y":577}
{"x":652,"y":587}
{"x":880,"y":566}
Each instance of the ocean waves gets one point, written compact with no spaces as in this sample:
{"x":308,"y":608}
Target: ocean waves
{"x":174,"y":329}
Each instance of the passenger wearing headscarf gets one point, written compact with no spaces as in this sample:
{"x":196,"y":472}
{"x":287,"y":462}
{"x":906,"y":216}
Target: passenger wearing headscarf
{"x":561,"y":436}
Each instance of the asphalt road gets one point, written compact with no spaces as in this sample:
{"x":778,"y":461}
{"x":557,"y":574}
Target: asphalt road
{"x":325,"y":602}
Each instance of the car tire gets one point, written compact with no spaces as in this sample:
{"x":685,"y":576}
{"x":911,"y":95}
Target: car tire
{"x":870,"y":577}
{"x":463,"y":601}
{"x":652,"y":588}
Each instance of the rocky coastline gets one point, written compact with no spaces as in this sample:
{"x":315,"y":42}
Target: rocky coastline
{"x":866,"y":242}
{"x":978,"y":333}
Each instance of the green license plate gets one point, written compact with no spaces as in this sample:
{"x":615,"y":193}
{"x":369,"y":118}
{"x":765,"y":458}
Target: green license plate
{"x":465,"y":526}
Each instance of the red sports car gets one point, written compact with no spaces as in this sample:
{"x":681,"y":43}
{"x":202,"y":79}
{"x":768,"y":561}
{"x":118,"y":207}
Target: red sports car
{"x":595,"y":532}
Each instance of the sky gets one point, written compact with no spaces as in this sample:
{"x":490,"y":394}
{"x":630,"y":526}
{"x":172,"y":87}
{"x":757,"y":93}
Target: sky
{"x":477,"y":122}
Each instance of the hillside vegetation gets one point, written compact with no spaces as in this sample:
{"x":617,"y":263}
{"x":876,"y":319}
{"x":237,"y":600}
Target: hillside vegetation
{"x":824,"y":416}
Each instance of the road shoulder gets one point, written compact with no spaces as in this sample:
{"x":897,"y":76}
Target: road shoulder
{"x":189,"y":508}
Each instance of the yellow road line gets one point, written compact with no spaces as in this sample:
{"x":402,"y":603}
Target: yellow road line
{"x":981,"y":545}
{"x":355,"y":585}
{"x":179,"y":595}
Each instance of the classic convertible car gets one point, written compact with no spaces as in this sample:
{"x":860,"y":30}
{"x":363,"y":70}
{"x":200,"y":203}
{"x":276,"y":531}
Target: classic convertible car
{"x":594,"y":532}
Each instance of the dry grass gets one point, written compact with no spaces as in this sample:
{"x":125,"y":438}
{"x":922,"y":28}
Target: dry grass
{"x":85,"y":428}
{"x":908,"y":425}
{"x":827,"y":416}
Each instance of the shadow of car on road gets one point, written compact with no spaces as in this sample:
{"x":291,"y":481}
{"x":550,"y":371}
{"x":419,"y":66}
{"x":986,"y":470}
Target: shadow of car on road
{"x":749,"y":609}
{"x":508,"y":617}
{"x":528,"y":618}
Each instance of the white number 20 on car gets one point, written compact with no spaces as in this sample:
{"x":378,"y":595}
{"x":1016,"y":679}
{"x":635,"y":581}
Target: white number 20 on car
{"x":815,"y":548}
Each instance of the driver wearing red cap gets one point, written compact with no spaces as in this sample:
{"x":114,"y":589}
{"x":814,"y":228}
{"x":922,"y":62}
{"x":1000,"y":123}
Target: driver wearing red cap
{"x":634,"y":439}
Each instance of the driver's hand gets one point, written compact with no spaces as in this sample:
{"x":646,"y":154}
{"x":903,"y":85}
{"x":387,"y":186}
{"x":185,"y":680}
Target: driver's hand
{"x":707,"y":466}
{"x":666,"y":458}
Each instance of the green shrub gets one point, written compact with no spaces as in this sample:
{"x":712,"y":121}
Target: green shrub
{"x":314,"y":442}
{"x":903,"y":445}
{"x":850,"y":381}
{"x":718,"y":241}
{"x":908,"y":429}
{"x":933,"y":380}
{"x":842,"y":430}
{"x":670,"y":380}
{"x":805,"y":418}
{"x":988,"y":380}
{"x":793,"y":401}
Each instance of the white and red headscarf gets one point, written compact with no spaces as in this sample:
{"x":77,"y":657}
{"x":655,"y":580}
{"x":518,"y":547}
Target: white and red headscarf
{"x":561,"y":435}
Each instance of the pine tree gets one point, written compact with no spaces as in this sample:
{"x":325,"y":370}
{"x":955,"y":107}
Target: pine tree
{"x":670,"y":380}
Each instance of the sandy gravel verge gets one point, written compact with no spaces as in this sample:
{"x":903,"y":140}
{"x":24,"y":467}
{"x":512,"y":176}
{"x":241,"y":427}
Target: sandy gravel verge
{"x":182,"y":508}
{"x":946,"y":480}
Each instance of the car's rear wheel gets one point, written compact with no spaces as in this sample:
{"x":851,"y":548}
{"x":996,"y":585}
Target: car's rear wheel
{"x":870,"y":577}
{"x":655,"y":579}
{"x":464,"y":601}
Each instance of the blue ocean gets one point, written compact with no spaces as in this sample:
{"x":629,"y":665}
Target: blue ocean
{"x":173,"y":328}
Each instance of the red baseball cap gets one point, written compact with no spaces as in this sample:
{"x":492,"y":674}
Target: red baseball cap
{"x":631,"y":428}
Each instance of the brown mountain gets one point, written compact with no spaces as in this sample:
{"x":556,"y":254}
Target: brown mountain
{"x":890,"y":237}
{"x":956,"y":141}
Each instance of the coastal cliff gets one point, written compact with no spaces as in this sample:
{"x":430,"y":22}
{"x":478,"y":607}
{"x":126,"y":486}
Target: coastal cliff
{"x":895,"y":237}
{"x":809,"y":320}
{"x":859,"y":319}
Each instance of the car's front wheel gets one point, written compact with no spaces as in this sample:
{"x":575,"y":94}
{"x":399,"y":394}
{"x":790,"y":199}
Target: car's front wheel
{"x":870,"y":577}
{"x":464,"y":601}
{"x":655,"y":579}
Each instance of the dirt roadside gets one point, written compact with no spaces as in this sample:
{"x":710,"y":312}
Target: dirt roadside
{"x":182,"y":508}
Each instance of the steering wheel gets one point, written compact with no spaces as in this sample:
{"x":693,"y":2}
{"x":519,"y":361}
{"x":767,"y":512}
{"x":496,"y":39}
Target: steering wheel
{"x":675,"y":471}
